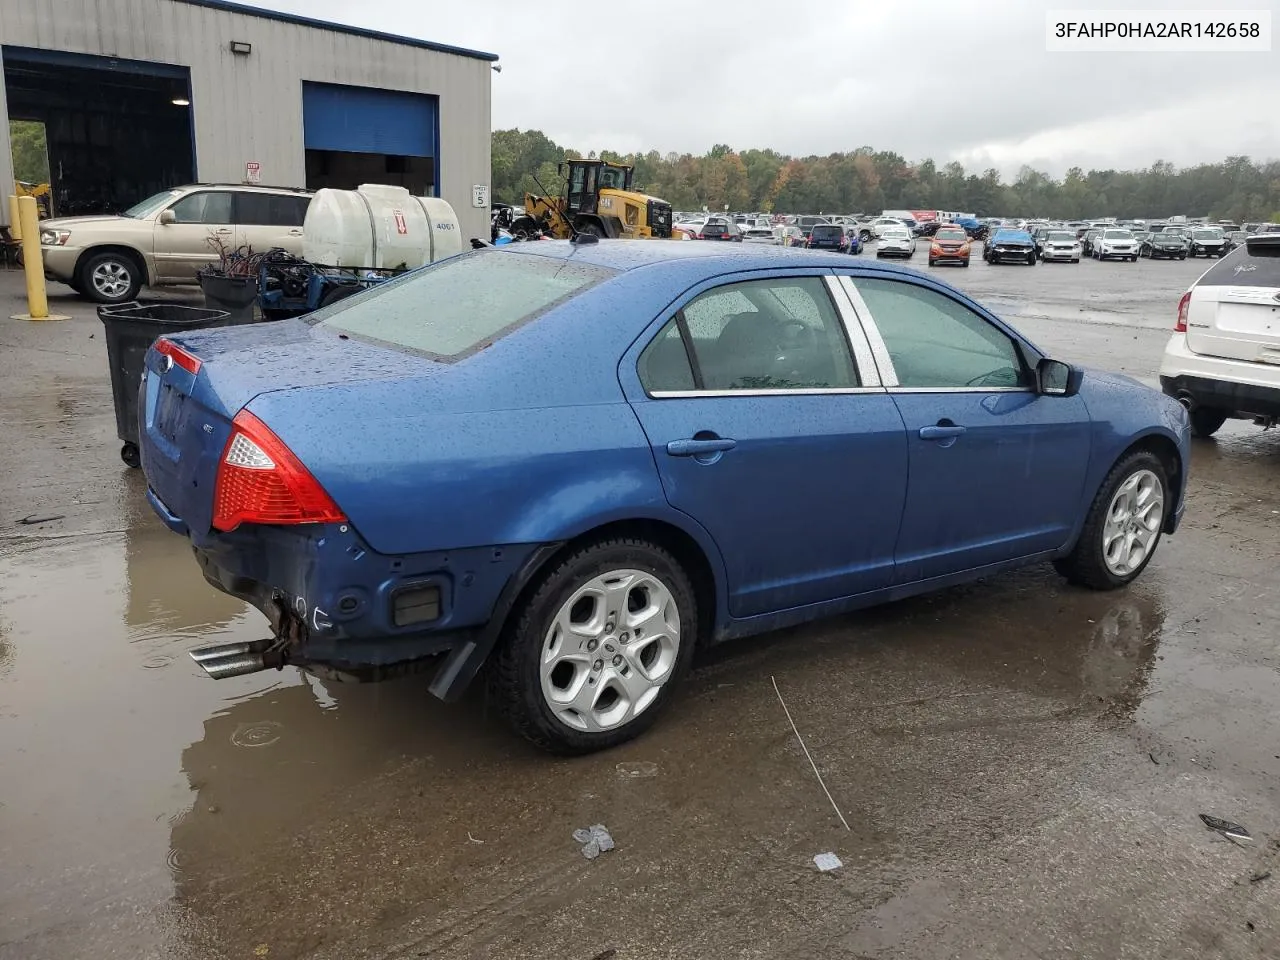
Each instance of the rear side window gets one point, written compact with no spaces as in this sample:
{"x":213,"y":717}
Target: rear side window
{"x":779,"y":334}
{"x":270,"y":210}
{"x":451,"y":309}
{"x":1255,"y":264}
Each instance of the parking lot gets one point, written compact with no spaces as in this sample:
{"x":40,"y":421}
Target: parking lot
{"x":1021,"y":764}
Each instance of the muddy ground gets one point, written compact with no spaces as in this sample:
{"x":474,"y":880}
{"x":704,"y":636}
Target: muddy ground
{"x":1021,"y":764}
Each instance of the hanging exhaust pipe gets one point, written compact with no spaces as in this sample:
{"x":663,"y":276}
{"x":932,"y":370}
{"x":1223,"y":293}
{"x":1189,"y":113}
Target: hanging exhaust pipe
{"x":1187,"y":400}
{"x":238,"y":659}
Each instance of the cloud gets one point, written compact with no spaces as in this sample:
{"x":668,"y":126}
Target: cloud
{"x":967,"y":81}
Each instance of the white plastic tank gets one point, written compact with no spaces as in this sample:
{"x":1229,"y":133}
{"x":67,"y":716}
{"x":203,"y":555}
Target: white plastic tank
{"x":380,"y":227}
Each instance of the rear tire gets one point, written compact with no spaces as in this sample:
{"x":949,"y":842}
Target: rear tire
{"x":1087,"y":564}
{"x":525,"y":689}
{"x":1206,"y":421}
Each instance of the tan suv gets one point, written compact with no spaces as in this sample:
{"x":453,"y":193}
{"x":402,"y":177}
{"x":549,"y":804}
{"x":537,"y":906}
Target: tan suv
{"x":167,"y":238}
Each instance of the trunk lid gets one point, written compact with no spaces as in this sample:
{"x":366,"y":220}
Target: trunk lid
{"x":1235,"y":306}
{"x":185,"y":419}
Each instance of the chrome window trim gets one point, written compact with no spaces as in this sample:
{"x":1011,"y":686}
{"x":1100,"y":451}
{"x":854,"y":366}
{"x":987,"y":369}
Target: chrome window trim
{"x":772,"y":392}
{"x":870,"y":332}
{"x":962,"y":390}
{"x":864,"y":360}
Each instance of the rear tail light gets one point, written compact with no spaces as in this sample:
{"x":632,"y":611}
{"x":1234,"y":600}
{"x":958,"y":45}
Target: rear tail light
{"x":261,"y":481}
{"x":181,"y":358}
{"x":1183,"y":305}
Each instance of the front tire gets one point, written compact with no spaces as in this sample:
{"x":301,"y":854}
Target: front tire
{"x":1206,"y":421}
{"x":110,"y":278}
{"x":1123,"y":526}
{"x":590,"y":658}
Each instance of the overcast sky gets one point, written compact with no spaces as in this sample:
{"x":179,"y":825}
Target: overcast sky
{"x":949,"y":80}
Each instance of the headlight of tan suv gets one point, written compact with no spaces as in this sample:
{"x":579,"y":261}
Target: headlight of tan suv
{"x":54,"y":238}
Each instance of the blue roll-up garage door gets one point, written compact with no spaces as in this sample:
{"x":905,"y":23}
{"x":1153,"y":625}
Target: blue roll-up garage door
{"x":366,"y":120}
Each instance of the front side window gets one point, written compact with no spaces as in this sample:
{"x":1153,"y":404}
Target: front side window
{"x":778,"y":334}
{"x":206,"y":207}
{"x":936,"y":342}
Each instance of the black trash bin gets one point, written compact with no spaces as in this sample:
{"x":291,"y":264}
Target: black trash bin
{"x":236,"y":295}
{"x":130,"y":330}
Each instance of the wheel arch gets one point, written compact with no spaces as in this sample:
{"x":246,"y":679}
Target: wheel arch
{"x":1166,"y":451}
{"x":133,"y":253}
{"x":691,"y":546}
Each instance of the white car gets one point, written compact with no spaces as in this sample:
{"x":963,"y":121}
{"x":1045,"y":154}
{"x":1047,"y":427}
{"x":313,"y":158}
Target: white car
{"x":1223,"y":359}
{"x":759,"y":235}
{"x":881,"y":224}
{"x":896,"y":242}
{"x":1060,"y":245}
{"x":1116,"y":243}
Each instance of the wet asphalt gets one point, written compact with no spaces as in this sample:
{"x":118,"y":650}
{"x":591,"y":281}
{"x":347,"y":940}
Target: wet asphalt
{"x":1021,"y":764}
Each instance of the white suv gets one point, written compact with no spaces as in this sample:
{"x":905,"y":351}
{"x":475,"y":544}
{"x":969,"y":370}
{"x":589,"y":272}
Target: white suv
{"x":1223,"y":359}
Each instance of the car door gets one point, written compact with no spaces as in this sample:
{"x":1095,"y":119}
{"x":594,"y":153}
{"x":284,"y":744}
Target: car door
{"x":201,"y":226}
{"x":775,"y":436}
{"x":265,"y":221}
{"x":997,"y":470}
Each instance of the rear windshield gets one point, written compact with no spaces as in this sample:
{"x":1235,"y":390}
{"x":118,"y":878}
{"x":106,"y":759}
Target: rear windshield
{"x":1255,"y":264}
{"x":824,"y":231}
{"x":453,"y":308}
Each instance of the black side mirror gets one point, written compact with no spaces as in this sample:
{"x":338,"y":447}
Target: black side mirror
{"x":1057,"y":379}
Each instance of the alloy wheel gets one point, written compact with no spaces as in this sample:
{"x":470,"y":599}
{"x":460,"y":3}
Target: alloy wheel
{"x":1133,"y":523}
{"x":610,"y":648}
{"x":111,"y":279}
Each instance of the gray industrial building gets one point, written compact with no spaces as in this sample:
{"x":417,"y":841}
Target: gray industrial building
{"x":140,"y":95}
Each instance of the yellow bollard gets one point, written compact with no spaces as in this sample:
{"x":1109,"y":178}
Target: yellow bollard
{"x":15,"y":224}
{"x":33,"y":263}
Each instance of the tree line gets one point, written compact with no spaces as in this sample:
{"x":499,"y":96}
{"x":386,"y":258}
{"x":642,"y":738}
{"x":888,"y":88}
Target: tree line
{"x":866,"y":180}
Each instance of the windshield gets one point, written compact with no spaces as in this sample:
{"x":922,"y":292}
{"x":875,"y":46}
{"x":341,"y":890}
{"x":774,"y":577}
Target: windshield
{"x":1117,"y":235}
{"x":140,"y":211}
{"x":1206,"y":234}
{"x":613,"y":178}
{"x":454,"y":307}
{"x":1061,"y":236}
{"x":951,"y":233}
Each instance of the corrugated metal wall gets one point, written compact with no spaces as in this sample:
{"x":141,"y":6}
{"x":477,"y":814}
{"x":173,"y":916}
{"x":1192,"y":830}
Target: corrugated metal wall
{"x":250,"y":108}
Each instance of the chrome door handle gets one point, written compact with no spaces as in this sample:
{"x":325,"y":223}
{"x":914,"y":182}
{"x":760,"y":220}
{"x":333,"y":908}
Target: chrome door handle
{"x":698,"y":448}
{"x":940,"y":432}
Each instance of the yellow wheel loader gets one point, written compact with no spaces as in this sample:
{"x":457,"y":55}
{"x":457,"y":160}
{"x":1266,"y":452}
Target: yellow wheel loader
{"x":597,"y":200}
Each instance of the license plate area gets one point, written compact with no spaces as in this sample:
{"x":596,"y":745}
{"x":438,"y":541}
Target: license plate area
{"x":1253,"y":319}
{"x":169,"y":408}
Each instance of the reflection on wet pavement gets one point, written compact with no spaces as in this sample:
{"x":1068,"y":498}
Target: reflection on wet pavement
{"x":1021,"y":765}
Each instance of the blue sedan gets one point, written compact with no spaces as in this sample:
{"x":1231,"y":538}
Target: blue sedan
{"x":571,"y":464}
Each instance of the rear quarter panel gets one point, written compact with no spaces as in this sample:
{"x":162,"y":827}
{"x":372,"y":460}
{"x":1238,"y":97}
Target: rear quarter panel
{"x":413,"y":479}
